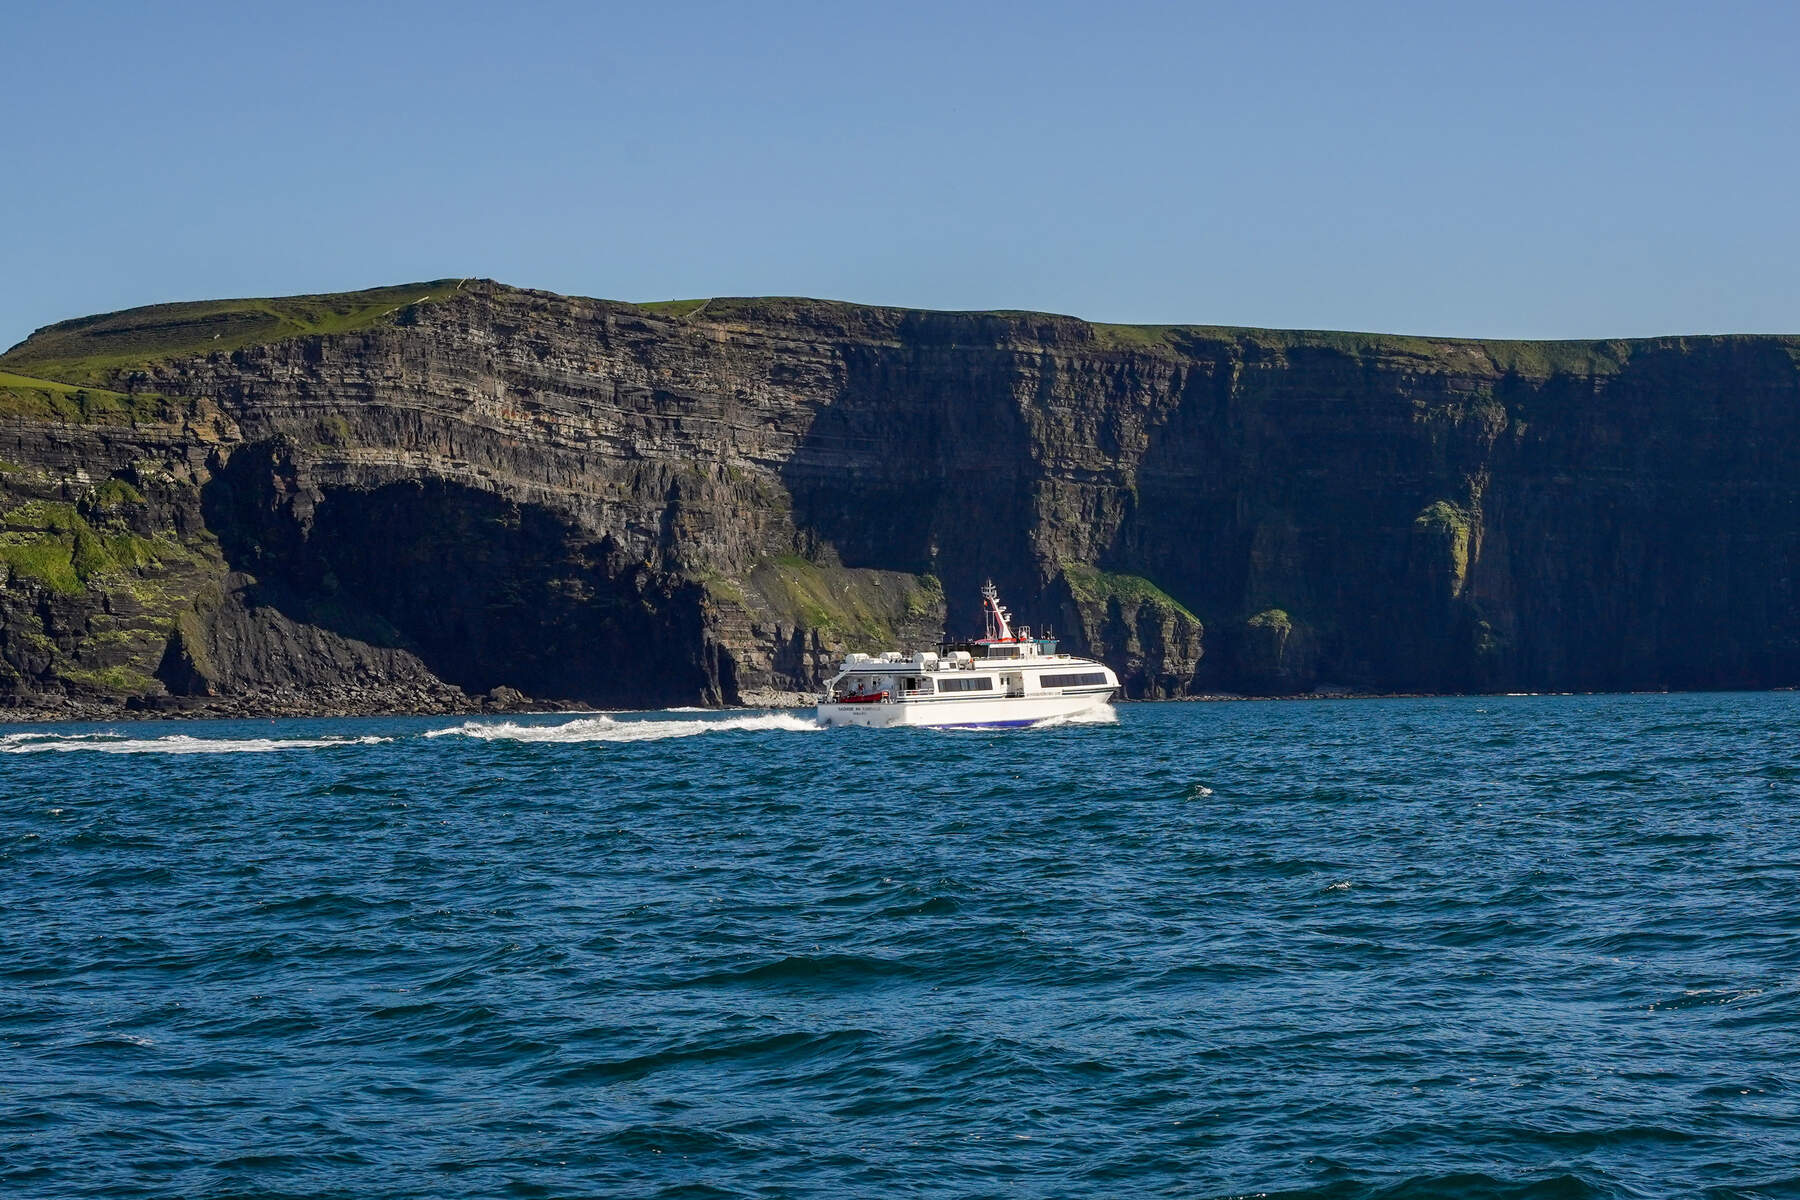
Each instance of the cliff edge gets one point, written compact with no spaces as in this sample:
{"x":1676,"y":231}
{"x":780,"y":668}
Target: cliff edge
{"x":458,"y":494}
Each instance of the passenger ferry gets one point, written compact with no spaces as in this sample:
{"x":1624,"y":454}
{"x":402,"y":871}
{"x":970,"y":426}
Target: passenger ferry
{"x":1006,"y":678}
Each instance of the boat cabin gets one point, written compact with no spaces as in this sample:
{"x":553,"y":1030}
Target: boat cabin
{"x":1026,"y":671}
{"x":1006,"y":677}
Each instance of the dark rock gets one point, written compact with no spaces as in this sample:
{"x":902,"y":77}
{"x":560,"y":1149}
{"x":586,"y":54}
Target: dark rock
{"x":526,"y":497}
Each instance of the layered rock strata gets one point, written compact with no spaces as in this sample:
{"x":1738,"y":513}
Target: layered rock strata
{"x":486,"y":496}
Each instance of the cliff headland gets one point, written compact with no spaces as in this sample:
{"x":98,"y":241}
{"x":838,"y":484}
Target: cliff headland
{"x":455,"y":495}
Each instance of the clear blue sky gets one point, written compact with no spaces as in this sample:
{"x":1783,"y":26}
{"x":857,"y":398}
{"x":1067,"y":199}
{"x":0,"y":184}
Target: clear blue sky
{"x":1522,"y":170}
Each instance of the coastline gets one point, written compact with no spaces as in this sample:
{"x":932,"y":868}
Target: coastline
{"x":506,"y":702}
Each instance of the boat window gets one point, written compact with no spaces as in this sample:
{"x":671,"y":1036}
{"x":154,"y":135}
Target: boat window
{"x":1075,"y":679}
{"x":976,"y":683}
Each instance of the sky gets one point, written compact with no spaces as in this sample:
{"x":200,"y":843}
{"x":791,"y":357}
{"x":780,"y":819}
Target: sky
{"x":1500,"y":170}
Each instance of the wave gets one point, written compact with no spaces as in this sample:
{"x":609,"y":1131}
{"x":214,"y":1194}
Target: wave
{"x":825,"y":970}
{"x":1463,"y":1185}
{"x":607,"y":729}
{"x":1105,"y":714}
{"x":180,"y":743}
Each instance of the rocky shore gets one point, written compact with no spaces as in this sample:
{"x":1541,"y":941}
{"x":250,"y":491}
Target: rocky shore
{"x":324,"y":702}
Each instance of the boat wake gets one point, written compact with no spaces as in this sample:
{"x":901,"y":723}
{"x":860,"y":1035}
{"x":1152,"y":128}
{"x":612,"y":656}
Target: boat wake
{"x":608,"y":729}
{"x":1091,"y":716}
{"x":1103,"y":715}
{"x":180,"y":743}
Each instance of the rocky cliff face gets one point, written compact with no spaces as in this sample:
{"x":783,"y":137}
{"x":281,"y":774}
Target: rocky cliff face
{"x":410,"y":499}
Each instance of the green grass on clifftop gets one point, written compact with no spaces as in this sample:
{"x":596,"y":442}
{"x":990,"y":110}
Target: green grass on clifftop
{"x":673,"y":308}
{"x":1537,"y":359}
{"x":48,"y":400}
{"x":95,"y":350}
{"x":1477,"y":356}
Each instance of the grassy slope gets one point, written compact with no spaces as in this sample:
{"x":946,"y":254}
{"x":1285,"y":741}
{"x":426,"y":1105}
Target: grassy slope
{"x":93,"y":351}
{"x":1540,"y":358}
{"x":1446,"y":354}
{"x":1094,"y":587}
{"x":52,"y":542}
{"x":49,"y":400}
{"x":864,"y":607}
{"x":137,"y":586}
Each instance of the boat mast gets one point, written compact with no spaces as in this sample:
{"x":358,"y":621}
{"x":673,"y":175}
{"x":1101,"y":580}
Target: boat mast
{"x":994,"y":614}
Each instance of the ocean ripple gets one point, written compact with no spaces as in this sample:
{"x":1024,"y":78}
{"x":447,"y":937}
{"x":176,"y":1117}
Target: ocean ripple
{"x":1512,"y":947}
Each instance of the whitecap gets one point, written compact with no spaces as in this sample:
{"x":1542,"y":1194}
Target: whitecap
{"x":180,"y":743}
{"x":1093,"y":716}
{"x":607,"y":729}
{"x":1104,"y":714}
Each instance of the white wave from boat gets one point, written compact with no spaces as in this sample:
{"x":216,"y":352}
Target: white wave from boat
{"x":1106,"y":715}
{"x":607,"y":729}
{"x":1101,"y":714}
{"x":179,"y":743}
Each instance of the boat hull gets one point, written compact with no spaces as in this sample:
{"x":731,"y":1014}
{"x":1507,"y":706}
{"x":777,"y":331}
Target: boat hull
{"x":994,"y":712}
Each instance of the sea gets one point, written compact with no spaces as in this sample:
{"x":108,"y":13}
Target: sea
{"x":1471,"y":947}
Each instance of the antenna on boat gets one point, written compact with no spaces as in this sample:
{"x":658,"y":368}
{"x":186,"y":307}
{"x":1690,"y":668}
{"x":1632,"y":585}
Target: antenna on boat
{"x":994,"y":614}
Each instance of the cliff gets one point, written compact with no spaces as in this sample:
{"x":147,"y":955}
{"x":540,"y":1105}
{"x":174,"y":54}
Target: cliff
{"x":452,"y":494}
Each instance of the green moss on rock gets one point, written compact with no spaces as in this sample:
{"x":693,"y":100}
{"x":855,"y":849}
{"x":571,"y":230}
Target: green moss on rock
{"x":44,"y":559}
{"x":862,"y":608}
{"x":1451,"y":528}
{"x":49,"y":400}
{"x":1090,"y":585}
{"x":1150,"y":638}
{"x":113,"y":493}
{"x":1273,"y":621}
{"x":112,"y":681}
{"x":1274,"y":652}
{"x":50,"y":542}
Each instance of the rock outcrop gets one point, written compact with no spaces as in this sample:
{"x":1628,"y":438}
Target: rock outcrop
{"x":422,"y":498}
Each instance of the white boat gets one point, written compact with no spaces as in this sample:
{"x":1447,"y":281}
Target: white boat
{"x":1007,"y":678}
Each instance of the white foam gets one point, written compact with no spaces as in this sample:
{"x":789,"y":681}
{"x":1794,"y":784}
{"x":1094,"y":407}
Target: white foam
{"x":1103,"y":714}
{"x":180,"y":743}
{"x":606,"y":729}
{"x":7,"y":739}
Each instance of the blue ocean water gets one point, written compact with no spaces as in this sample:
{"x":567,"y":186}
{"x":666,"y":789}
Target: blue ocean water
{"x":1484,"y":947}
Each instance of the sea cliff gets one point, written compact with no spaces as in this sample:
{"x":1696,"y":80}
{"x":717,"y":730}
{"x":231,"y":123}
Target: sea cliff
{"x":458,"y":495}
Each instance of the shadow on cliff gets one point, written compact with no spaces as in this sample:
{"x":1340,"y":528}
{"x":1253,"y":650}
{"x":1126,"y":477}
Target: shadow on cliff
{"x":484,"y":591}
{"x":921,"y":463}
{"x":1345,"y":520}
